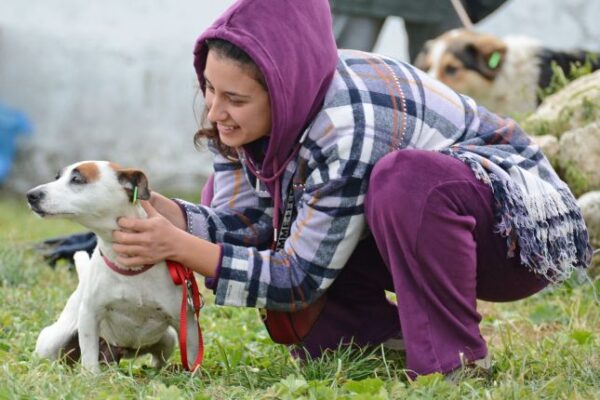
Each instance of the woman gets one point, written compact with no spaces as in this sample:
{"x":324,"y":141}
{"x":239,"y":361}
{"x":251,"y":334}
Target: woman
{"x":387,"y":180}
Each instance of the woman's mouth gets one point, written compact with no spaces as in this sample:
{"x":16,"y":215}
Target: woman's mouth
{"x":225,"y":129}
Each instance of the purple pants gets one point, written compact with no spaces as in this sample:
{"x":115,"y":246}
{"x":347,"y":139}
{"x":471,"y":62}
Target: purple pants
{"x":433,"y":245}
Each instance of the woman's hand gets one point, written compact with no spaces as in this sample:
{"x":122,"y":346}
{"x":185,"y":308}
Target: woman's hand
{"x":146,"y":241}
{"x":169,"y":209}
{"x":155,"y":239}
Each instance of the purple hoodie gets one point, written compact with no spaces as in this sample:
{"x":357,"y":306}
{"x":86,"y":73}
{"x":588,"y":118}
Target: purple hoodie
{"x":296,"y":53}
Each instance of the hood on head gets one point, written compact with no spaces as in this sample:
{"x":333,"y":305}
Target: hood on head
{"x":292,"y":43}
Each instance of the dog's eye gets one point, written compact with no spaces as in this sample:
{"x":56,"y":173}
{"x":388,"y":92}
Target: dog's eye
{"x":450,"y":70}
{"x":77,"y":179}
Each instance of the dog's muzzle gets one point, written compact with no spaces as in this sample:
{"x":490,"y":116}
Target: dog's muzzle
{"x":34,"y":197}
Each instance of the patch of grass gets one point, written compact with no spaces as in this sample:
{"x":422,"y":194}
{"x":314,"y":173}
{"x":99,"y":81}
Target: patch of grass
{"x":555,"y":127}
{"x":590,"y":110}
{"x":16,"y":268}
{"x":547,"y":346}
{"x":582,"y":111}
{"x":561,"y":78}
{"x":576,"y":179}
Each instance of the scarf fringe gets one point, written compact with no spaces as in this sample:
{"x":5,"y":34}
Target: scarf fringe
{"x":548,"y":228}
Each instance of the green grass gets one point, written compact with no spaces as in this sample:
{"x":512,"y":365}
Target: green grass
{"x":561,"y":78}
{"x":547,"y":346}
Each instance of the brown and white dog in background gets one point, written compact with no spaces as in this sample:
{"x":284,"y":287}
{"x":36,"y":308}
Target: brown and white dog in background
{"x":504,"y":75}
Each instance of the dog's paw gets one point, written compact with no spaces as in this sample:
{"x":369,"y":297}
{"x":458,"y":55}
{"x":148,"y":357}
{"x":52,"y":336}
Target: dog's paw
{"x":93,"y":369}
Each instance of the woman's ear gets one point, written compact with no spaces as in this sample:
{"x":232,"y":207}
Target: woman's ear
{"x":130,"y":179}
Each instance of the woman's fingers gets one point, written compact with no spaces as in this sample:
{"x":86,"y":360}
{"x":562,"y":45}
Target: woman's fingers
{"x":134,"y":255}
{"x":142,"y":240}
{"x":149,"y":208}
{"x":130,"y":224}
{"x":128,"y":238}
{"x":128,"y":250}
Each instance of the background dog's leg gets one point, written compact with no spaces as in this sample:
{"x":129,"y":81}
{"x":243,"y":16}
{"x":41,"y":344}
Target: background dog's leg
{"x":89,"y":338}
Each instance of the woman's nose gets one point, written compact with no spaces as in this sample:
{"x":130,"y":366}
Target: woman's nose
{"x":216,"y":112}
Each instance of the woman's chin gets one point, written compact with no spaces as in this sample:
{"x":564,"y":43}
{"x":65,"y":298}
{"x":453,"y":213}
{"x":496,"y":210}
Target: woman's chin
{"x":230,"y":140}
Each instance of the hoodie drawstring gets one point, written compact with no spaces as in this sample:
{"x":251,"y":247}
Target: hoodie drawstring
{"x":277,"y":181}
{"x":276,"y":207}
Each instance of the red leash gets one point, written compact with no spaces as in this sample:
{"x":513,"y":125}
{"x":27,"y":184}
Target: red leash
{"x":190,"y":295}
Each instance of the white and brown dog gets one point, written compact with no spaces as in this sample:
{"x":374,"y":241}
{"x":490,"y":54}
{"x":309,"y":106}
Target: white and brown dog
{"x":137,"y":309}
{"x":504,"y":75}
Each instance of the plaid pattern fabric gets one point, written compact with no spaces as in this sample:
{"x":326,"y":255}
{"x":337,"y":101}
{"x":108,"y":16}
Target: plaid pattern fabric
{"x":377,"y":105}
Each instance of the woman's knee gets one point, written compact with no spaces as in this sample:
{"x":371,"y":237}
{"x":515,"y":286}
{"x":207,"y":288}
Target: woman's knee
{"x":403,"y":179}
{"x":392,"y":175}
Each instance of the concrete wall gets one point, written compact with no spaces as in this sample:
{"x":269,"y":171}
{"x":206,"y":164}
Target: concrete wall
{"x":113,"y":79}
{"x":107,"y":79}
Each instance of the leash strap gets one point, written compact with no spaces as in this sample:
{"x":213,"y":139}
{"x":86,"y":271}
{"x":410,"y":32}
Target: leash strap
{"x":462,"y":14}
{"x":289,"y":214}
{"x":190,"y":296}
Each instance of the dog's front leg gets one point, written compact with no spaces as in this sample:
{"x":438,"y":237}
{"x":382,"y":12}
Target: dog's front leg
{"x":89,"y":337}
{"x":53,"y":339}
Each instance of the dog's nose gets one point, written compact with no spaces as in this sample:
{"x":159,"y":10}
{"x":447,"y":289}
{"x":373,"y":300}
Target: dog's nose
{"x":34,"y":196}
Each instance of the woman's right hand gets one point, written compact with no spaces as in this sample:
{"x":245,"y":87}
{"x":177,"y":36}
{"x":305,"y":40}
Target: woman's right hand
{"x":148,"y":241}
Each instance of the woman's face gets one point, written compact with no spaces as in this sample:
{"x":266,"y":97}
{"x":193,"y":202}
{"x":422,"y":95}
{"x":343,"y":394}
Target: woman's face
{"x":236,"y":102}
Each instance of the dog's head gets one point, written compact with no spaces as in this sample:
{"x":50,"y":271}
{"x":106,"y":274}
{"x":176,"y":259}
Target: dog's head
{"x":466,"y":61}
{"x":93,"y":193}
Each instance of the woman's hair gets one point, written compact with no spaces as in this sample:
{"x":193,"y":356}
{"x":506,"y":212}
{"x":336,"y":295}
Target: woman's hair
{"x":226,"y":49}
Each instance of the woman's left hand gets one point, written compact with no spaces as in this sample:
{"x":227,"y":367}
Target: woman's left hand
{"x":145,"y":241}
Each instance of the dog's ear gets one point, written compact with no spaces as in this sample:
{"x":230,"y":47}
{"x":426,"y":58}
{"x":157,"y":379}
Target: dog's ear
{"x":130,"y":179}
{"x":422,"y":60}
{"x":487,"y":55}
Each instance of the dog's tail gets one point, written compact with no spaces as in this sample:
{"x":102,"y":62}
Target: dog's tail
{"x":82,"y":263}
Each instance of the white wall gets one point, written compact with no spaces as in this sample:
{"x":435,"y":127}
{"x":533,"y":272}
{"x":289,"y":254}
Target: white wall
{"x":114,"y":80}
{"x":107,"y":79}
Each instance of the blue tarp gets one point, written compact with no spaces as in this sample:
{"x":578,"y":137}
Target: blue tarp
{"x":12,"y":124}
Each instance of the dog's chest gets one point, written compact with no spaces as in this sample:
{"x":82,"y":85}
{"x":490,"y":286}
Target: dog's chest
{"x":135,"y":311}
{"x":134,"y":323}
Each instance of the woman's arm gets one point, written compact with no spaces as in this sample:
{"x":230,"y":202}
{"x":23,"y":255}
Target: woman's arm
{"x":238,"y":213}
{"x":185,"y":232}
